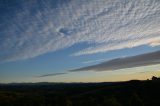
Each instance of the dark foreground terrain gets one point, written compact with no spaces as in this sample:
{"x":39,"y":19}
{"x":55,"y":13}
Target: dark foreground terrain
{"x":131,"y":93}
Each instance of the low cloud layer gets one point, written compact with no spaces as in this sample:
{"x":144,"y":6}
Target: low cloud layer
{"x":126,"y":62}
{"x":32,"y":28}
{"x":54,"y":74}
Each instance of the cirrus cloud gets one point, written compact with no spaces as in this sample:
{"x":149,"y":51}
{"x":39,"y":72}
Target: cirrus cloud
{"x":32,"y":28}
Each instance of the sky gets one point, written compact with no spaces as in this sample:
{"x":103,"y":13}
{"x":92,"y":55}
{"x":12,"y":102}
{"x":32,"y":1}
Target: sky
{"x":79,"y":40}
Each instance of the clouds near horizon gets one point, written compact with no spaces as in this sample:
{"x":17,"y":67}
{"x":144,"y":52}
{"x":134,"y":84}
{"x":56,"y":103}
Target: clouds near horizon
{"x":141,"y":60}
{"x":54,"y":74}
{"x":32,"y":28}
{"x":125,"y":62}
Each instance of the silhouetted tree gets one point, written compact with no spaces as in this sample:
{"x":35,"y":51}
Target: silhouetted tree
{"x":154,"y":78}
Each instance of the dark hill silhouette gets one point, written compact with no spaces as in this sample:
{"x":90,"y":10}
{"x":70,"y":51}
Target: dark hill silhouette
{"x":129,"y":93}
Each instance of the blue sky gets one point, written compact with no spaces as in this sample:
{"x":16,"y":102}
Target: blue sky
{"x":50,"y":37}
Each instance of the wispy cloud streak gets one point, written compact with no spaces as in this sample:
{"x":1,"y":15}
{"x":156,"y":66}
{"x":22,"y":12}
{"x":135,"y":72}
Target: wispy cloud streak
{"x":32,"y":28}
{"x":54,"y":74}
{"x":94,"y":61}
{"x":126,"y":62}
